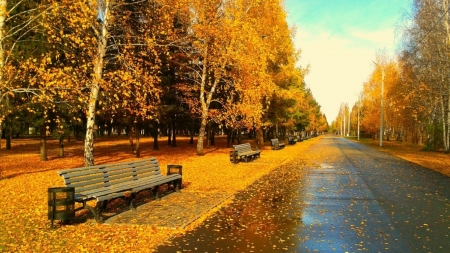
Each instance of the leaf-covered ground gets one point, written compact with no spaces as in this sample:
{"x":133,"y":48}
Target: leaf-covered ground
{"x":437,"y":161}
{"x":25,"y":180}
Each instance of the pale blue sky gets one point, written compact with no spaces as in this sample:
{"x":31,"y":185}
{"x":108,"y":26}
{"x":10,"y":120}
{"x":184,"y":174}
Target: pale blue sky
{"x":339,"y":39}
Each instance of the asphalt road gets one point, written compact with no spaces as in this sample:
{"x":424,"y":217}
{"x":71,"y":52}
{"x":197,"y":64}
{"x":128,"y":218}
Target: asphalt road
{"x":340,"y":196}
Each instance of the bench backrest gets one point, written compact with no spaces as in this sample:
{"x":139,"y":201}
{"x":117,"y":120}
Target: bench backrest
{"x":94,"y":177}
{"x":242,"y":148}
{"x":274,"y":142}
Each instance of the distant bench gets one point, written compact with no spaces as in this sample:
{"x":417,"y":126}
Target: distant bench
{"x":121,"y":180}
{"x":291,"y":140}
{"x":245,"y":152}
{"x":276,"y":144}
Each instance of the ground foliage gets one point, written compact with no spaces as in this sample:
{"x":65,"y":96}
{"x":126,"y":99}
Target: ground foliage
{"x":25,"y":180}
{"x":437,"y":161}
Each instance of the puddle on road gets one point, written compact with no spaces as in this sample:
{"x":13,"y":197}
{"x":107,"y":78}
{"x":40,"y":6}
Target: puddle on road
{"x":326,"y":166}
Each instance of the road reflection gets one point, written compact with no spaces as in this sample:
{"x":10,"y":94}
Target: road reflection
{"x":349,"y":199}
{"x":263,"y":218}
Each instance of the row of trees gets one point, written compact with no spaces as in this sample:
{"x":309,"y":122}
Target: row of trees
{"x":416,"y":83}
{"x":79,"y":66}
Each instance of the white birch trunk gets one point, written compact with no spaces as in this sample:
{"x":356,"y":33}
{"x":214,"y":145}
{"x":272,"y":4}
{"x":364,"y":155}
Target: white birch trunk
{"x":205,"y":104}
{"x":3,"y":14}
{"x":95,"y":87}
{"x":446,"y":106}
{"x":201,"y":134}
{"x":3,"y":6}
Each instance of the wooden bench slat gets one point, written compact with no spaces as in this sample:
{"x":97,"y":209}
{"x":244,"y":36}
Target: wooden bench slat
{"x":276,"y":144}
{"x":108,"y":188}
{"x":91,"y":170}
{"x":109,"y":166}
{"x":106,"y":182}
{"x":110,"y":180}
{"x":160,"y":181}
{"x":135,"y":186}
{"x":243,"y":151}
{"x":93,"y":176}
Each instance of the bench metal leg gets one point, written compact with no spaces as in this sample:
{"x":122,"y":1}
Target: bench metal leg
{"x":177,"y":185}
{"x":155,"y":192}
{"x":97,"y":211}
{"x":130,"y":201}
{"x":104,"y":204}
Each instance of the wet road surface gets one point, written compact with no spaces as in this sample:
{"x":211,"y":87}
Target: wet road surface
{"x":340,"y":196}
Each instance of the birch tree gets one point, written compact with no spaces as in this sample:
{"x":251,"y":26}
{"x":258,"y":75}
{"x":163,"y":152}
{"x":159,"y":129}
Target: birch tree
{"x":107,"y":56}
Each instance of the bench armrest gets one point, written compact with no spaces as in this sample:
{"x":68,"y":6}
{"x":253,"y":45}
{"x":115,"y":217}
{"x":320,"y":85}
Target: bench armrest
{"x":174,"y":169}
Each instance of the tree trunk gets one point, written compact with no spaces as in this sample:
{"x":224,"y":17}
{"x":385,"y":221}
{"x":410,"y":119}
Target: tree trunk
{"x":212,"y":136}
{"x":201,"y":134}
{"x":43,"y":150}
{"x":130,"y":134}
{"x":229,"y":134}
{"x":260,"y":138}
{"x":138,"y":148}
{"x":208,"y":135}
{"x":3,"y":15}
{"x":155,"y":134}
{"x":8,"y":142}
{"x":446,"y":110}
{"x":95,"y":86}
{"x":61,"y":146}
{"x":169,"y":135}
{"x":239,"y":136}
{"x":174,"y":129}
{"x":8,"y":137}
{"x":205,"y":102}
{"x":109,"y":129}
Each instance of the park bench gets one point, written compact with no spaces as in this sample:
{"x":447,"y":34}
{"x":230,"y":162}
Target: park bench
{"x":104,"y":183}
{"x":291,"y":140}
{"x":244,"y":151}
{"x":276,"y":144}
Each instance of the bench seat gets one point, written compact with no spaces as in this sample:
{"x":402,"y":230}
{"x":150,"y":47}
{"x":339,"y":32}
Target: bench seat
{"x":244,"y":152}
{"x":276,"y":145}
{"x":291,"y":140}
{"x":104,"y":183}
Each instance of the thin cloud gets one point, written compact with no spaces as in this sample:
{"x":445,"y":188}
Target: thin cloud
{"x":384,"y":37}
{"x":339,"y":40}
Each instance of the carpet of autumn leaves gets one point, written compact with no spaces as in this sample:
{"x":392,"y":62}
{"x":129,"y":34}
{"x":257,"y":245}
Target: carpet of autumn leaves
{"x":437,"y":161}
{"x":25,"y":180}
